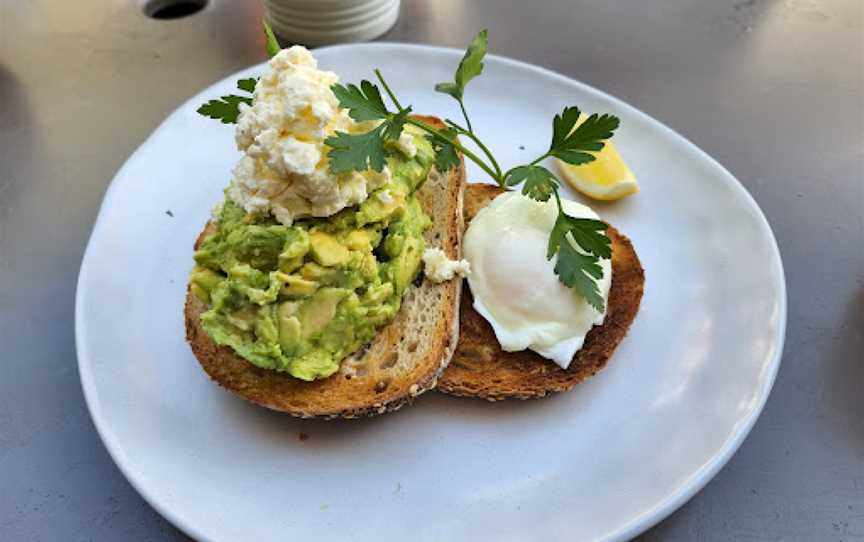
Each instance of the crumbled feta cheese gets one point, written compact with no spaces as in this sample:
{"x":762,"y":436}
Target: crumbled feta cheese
{"x":406,"y":145}
{"x":284,"y":169}
{"x":438,"y":267}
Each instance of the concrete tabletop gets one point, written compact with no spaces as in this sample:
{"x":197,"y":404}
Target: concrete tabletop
{"x":770,"y":88}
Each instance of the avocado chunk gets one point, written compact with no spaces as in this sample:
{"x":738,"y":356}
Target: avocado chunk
{"x":202,"y":281}
{"x":211,"y":253}
{"x":259,"y":246}
{"x":326,"y":250}
{"x":243,"y":319}
{"x":407,"y":264}
{"x":289,"y":327}
{"x":381,"y":314}
{"x":392,"y":244}
{"x":366,"y":265}
{"x":359,"y":240}
{"x":296,"y":286}
{"x":206,"y":278}
{"x":376,"y":209}
{"x":378,"y":294}
{"x":317,"y":363}
{"x":225,"y":297}
{"x":258,"y":287}
{"x":319,"y":310}
{"x":312,"y":271}
{"x":407,"y":170}
{"x":266,"y":328}
{"x":295,"y":248}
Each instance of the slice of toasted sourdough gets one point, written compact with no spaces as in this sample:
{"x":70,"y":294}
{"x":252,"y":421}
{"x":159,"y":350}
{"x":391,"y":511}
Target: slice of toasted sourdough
{"x":404,"y":359}
{"x":480,"y":368}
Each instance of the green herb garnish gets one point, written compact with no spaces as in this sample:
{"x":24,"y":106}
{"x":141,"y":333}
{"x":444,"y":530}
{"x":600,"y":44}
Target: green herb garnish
{"x":469,"y":67}
{"x":227,"y":108}
{"x":573,"y":267}
{"x":359,"y":152}
{"x":578,"y":243}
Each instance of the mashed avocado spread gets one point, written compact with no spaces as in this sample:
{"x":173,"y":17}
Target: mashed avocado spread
{"x":301,"y":298}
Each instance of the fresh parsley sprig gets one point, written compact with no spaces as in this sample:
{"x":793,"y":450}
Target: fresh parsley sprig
{"x":469,"y":67}
{"x":574,"y":267}
{"x":359,"y":152}
{"x":227,"y":108}
{"x":578,"y":243}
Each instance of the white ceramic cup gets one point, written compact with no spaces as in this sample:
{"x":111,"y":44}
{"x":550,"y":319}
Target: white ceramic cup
{"x":322,"y":22}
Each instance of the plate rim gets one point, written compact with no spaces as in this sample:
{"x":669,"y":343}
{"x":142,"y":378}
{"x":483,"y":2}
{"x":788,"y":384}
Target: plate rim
{"x":639,"y":524}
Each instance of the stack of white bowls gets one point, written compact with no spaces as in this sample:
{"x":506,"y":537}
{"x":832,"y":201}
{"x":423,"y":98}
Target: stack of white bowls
{"x":319,"y":22}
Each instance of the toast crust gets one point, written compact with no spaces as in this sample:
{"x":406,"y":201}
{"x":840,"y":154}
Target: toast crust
{"x":404,"y":359}
{"x":480,"y":368}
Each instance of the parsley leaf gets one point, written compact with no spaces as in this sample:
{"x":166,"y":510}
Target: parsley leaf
{"x":272,"y":44}
{"x":247,"y":84}
{"x":588,"y":233}
{"x":579,"y":271}
{"x":446,"y":157}
{"x":359,"y":152}
{"x":539,"y":184}
{"x":356,"y":152}
{"x":575,"y":146}
{"x":226,"y":108}
{"x":363,"y":103}
{"x":591,"y":236}
{"x":470,"y":66}
{"x":393,"y":126}
{"x":576,"y":269}
{"x":563,"y":124}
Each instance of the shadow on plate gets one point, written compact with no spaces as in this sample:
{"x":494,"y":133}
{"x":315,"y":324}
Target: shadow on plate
{"x":430,"y":407}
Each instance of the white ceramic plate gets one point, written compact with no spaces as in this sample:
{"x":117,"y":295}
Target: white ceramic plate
{"x":603,"y":462}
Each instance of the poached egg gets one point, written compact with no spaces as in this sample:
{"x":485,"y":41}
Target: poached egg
{"x":515,"y":287}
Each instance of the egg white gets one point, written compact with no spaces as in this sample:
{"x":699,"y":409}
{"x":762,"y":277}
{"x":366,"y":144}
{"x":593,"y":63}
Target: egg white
{"x":515,"y":287}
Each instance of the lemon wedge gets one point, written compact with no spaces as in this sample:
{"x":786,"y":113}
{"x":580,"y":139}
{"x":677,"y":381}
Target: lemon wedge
{"x":606,"y":178}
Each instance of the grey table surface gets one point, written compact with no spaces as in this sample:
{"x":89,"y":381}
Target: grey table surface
{"x":771,"y":88}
